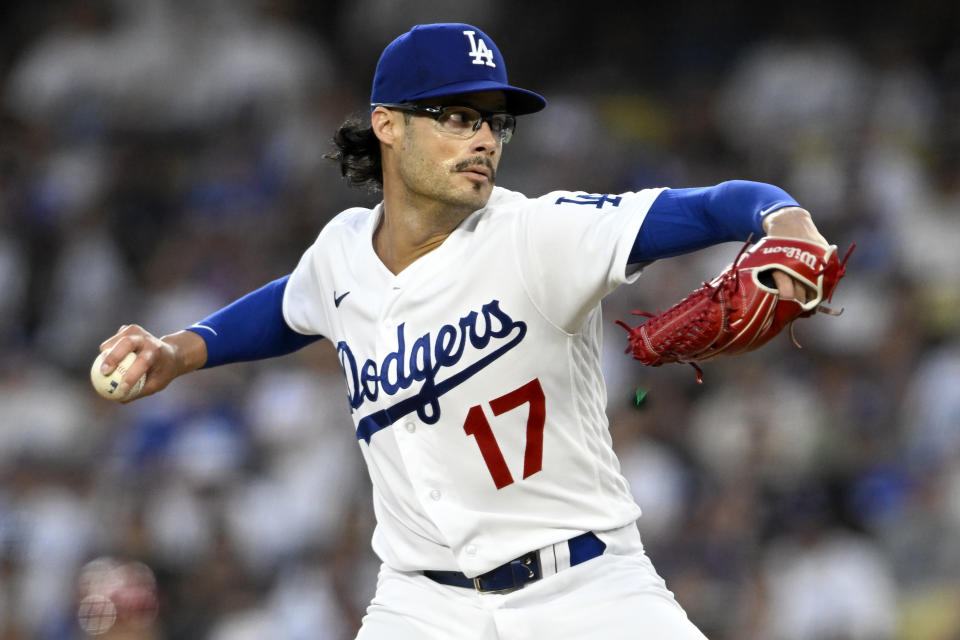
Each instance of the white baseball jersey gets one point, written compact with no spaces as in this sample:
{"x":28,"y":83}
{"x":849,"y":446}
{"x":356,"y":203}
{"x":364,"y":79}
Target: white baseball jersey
{"x":474,"y":374}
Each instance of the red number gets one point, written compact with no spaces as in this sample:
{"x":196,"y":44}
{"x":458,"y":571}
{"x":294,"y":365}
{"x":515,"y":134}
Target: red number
{"x":531,"y":393}
{"x":478,"y":426}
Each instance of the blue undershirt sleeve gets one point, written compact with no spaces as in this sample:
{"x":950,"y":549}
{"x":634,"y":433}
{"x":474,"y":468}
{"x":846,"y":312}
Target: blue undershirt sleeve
{"x":251,"y":328}
{"x":685,"y":220}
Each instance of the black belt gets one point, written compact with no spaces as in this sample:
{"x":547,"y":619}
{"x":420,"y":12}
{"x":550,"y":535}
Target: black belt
{"x":518,"y":573}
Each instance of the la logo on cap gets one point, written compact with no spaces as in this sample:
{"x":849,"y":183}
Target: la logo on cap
{"x":427,"y":62}
{"x":479,"y":51}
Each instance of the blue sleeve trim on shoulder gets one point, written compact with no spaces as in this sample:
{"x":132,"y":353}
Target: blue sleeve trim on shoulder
{"x":251,"y":328}
{"x":685,"y":220}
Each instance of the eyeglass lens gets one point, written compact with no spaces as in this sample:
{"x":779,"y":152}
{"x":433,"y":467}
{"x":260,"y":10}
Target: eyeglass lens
{"x":464,"y":122}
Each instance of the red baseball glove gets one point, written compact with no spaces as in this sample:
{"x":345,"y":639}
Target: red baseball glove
{"x":740,"y":309}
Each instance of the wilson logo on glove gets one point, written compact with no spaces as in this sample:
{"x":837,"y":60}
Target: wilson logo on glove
{"x":794,"y":253}
{"x":740,"y":309}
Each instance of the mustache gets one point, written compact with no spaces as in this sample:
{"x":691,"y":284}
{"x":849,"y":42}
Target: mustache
{"x":477,"y":161}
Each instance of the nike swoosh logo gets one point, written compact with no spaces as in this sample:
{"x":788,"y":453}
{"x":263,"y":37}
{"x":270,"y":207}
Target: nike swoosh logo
{"x":337,"y":300}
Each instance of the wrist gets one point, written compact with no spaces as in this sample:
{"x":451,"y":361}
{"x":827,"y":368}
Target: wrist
{"x":188,"y":349}
{"x":792,"y":222}
{"x":784,"y":215}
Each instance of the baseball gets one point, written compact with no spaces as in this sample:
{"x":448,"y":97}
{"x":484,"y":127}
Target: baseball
{"x":107,"y":385}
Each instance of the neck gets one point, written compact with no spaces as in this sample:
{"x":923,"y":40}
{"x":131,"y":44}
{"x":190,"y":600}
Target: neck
{"x":413,"y":227}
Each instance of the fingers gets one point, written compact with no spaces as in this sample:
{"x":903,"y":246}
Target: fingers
{"x":790,"y":289}
{"x":129,"y":339}
{"x":139,"y":368}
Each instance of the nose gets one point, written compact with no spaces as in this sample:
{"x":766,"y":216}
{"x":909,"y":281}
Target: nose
{"x":484,"y":141}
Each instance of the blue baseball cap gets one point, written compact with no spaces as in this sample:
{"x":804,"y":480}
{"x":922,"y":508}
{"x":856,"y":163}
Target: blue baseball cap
{"x":433,"y":60}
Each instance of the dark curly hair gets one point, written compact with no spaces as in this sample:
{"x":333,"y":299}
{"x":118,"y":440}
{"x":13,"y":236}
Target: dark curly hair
{"x":358,"y":153}
{"x":357,"y":150}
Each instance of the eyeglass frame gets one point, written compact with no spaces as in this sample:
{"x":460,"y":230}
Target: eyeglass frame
{"x":437,"y":111}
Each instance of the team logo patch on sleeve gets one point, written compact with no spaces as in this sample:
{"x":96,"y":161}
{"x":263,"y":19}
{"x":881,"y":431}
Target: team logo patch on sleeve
{"x":598,"y":200}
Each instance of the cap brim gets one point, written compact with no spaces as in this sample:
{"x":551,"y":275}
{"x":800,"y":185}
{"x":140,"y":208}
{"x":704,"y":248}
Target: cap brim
{"x":519,"y":101}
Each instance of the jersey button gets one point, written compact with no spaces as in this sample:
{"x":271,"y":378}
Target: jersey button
{"x":411,"y":427}
{"x":471,"y":549}
{"x":435,"y":495}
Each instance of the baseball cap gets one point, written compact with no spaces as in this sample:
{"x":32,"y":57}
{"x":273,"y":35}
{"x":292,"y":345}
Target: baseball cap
{"x":433,"y":60}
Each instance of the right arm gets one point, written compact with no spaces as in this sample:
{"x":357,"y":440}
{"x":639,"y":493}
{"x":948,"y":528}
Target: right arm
{"x":251,"y":328}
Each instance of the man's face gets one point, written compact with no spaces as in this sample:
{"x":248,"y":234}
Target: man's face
{"x":452,"y":170}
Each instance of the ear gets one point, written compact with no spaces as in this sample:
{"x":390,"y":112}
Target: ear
{"x":387,"y":125}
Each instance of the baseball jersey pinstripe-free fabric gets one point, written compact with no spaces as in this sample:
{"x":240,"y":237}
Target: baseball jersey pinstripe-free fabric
{"x":474,"y":374}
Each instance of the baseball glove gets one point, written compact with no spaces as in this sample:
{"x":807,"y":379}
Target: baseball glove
{"x":740,"y":309}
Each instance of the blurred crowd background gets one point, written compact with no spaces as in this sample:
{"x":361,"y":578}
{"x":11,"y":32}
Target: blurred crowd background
{"x":159,"y":158}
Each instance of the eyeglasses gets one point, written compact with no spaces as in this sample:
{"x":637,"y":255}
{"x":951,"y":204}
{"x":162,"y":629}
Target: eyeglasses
{"x":462,"y":122}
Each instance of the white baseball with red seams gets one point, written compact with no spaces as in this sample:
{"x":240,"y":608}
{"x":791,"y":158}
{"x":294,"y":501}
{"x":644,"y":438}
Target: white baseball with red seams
{"x":108,"y":386}
{"x":475,"y":387}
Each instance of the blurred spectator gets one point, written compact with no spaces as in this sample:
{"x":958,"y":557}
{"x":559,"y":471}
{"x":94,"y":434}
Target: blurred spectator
{"x":117,"y":600}
{"x":829,"y":584}
{"x":803,"y":96}
{"x":931,"y":411}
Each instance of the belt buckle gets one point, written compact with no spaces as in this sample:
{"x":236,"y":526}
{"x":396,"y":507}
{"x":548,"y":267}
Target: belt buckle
{"x":529,"y":563}
{"x":505,"y":590}
{"x":480,"y":589}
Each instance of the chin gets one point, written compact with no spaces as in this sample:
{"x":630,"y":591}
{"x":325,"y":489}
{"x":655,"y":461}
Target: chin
{"x":480,"y":201}
{"x":472,"y":199}
{"x":480,"y":194}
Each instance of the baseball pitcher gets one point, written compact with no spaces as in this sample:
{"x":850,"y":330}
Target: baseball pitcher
{"x":467,"y":322}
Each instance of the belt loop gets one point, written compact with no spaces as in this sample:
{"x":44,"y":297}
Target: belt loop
{"x":548,"y":560}
{"x":561,"y":551}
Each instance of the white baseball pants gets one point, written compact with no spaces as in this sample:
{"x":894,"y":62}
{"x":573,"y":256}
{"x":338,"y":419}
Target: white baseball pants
{"x":616,"y":596}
